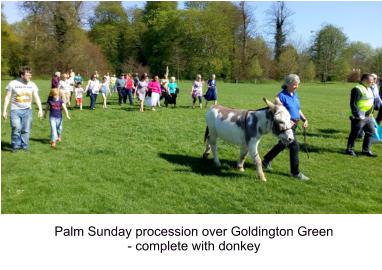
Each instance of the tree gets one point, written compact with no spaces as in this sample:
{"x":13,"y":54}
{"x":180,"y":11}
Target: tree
{"x":306,"y":67}
{"x":206,"y":39}
{"x":278,"y":19}
{"x":199,"y":5}
{"x":257,"y":48}
{"x":255,"y":70}
{"x":108,"y":27}
{"x":12,"y":54}
{"x":327,"y":50}
{"x":360,"y":56}
{"x":160,"y":37}
{"x":246,"y":28}
{"x":377,"y":65}
{"x":52,"y":35}
{"x":288,"y":62}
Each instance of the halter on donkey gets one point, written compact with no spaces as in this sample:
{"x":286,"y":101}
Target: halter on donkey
{"x":245,"y":128}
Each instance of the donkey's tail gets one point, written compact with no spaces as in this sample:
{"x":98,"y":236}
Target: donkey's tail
{"x":206,"y":134}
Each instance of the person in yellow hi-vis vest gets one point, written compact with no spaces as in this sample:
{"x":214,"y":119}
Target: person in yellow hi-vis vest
{"x":361,"y":116}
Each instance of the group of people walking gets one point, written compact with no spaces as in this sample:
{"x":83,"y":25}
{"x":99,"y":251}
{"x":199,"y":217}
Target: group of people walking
{"x":364,"y":99}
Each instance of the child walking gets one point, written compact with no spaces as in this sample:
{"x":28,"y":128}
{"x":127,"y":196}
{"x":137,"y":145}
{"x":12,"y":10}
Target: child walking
{"x":104,"y":89}
{"x":79,"y":92}
{"x":55,"y":104}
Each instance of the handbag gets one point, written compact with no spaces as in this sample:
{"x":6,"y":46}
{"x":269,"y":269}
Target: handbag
{"x":194,"y":94}
{"x":88,"y":93}
{"x":377,"y":136}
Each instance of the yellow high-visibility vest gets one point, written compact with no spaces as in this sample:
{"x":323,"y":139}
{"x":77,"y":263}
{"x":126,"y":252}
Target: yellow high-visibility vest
{"x":366,"y":102}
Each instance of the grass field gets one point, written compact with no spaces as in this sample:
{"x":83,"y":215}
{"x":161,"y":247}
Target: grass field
{"x":122,"y":161}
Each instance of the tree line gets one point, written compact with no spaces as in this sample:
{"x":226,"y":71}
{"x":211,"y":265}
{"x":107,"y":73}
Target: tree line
{"x":204,"y":37}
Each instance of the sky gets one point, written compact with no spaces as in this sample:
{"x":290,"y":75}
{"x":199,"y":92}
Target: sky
{"x":309,"y":17}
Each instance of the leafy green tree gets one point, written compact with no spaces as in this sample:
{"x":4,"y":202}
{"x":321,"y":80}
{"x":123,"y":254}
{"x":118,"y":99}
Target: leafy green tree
{"x":360,"y":56}
{"x":310,"y":72}
{"x":160,"y":37}
{"x":255,"y":70}
{"x":108,"y":30}
{"x":328,"y":50}
{"x":206,"y":40}
{"x":377,"y":65}
{"x":257,"y":48}
{"x":343,"y":70}
{"x":200,"y":5}
{"x":53,"y":37}
{"x":306,"y":67}
{"x":288,"y":62}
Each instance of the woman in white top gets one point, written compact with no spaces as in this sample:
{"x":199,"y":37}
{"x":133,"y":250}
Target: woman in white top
{"x":94,"y":86}
{"x":197,"y":91}
{"x":65,"y":87}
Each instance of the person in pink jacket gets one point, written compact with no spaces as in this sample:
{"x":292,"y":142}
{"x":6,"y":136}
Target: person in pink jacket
{"x":155,"y":90}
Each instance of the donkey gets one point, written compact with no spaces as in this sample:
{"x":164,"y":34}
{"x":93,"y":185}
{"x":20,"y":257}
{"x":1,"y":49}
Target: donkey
{"x":245,"y":128}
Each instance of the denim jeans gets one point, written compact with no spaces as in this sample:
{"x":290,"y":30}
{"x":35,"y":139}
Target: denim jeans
{"x":56,"y":127}
{"x":128,"y":92}
{"x":93,"y":98}
{"x":21,"y":123}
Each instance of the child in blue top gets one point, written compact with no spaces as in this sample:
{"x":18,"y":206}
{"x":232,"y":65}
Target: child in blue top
{"x":54,"y":104}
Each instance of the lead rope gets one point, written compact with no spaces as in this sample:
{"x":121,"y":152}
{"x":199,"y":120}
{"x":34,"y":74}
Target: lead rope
{"x":305,"y":144}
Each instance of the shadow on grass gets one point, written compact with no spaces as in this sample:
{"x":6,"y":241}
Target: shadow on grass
{"x":6,"y":146}
{"x":320,"y":149}
{"x":207,"y":167}
{"x":43,"y":141}
{"x":323,"y":133}
{"x":329,"y":131}
{"x":202,"y":167}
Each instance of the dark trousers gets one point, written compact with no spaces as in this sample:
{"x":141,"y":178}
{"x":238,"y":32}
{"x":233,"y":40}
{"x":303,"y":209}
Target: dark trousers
{"x":121,"y":95}
{"x":293,"y":153}
{"x":170,"y":99}
{"x":379,"y":116}
{"x":367,"y":125}
{"x":93,"y":98}
{"x":128,"y":93}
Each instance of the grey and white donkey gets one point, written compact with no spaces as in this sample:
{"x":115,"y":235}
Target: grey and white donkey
{"x":245,"y":128}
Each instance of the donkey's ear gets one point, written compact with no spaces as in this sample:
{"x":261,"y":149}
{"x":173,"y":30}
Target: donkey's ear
{"x":269,"y":104}
{"x":277,"y":101}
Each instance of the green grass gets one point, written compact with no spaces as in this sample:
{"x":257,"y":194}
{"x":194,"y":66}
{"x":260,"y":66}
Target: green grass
{"x":122,"y":161}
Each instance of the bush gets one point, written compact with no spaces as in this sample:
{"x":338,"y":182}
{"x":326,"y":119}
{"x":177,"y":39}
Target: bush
{"x":354,"y":76}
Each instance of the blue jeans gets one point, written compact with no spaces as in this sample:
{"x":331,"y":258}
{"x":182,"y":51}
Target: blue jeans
{"x":56,"y":127}
{"x":93,"y":98}
{"x":128,"y":92}
{"x":21,"y":123}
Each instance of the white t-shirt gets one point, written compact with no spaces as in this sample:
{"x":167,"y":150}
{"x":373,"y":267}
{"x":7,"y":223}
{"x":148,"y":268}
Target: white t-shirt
{"x":65,"y":86}
{"x":22,"y":92}
{"x":79,"y":92}
{"x":198,"y":87}
{"x":94,"y":86}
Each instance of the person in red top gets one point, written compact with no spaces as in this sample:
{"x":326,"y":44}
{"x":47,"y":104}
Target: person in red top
{"x":128,"y":89}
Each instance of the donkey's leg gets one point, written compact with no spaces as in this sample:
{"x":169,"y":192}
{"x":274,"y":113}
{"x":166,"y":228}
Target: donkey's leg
{"x":207,"y":151}
{"x":212,"y":141}
{"x":243,"y":155}
{"x":252,"y":145}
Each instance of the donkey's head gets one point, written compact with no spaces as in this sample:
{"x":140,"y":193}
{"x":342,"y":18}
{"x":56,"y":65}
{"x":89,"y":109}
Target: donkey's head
{"x":282,"y":126}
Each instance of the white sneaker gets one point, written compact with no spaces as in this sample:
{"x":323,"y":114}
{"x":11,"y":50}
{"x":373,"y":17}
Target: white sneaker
{"x":301,"y":176}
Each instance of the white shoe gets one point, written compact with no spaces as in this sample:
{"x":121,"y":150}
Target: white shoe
{"x":301,"y":176}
